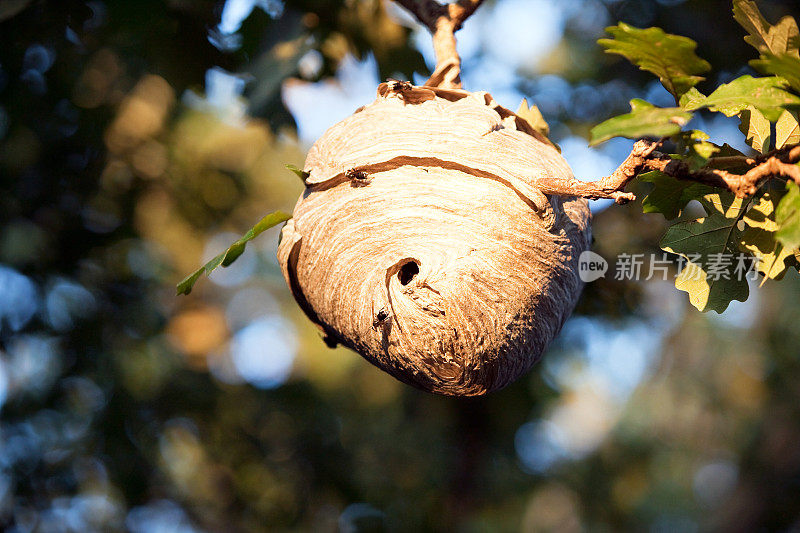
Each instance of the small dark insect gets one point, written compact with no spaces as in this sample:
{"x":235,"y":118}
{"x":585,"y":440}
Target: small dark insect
{"x":355,"y":174}
{"x":398,"y":85}
{"x":380,"y":318}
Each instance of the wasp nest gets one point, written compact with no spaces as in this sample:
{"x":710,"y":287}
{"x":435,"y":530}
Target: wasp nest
{"x":424,"y":242}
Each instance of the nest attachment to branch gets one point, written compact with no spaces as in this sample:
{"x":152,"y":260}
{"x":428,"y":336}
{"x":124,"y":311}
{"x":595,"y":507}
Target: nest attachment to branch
{"x":424,"y":240}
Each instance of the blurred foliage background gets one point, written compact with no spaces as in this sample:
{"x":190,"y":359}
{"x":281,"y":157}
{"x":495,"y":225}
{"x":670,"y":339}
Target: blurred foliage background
{"x":138,"y":139}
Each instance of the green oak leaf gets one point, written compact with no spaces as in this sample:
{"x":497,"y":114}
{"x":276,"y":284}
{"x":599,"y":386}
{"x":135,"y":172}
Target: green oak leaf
{"x":233,"y":252}
{"x":787,"y":216}
{"x":670,"y":57}
{"x":696,"y":148}
{"x":669,"y":196}
{"x":709,"y":295}
{"x":299,"y":172}
{"x":736,"y":164}
{"x":726,"y":150}
{"x":702,"y":147}
{"x":765,"y":94}
{"x":690,"y":97}
{"x":787,"y":129}
{"x":781,"y":38}
{"x":702,"y":242}
{"x":784,"y":65}
{"x":759,"y":238}
{"x":644,"y":120}
{"x":756,"y":129}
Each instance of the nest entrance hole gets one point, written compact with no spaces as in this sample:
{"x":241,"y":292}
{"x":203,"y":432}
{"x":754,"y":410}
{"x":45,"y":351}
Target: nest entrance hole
{"x":408,"y":272}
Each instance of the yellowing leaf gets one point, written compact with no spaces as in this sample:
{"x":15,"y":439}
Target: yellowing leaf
{"x":670,"y":57}
{"x":756,"y":129}
{"x":644,"y":120}
{"x":534,"y":117}
{"x":759,"y":238}
{"x":787,"y":129}
{"x":706,"y":295}
{"x":781,"y":38}
{"x":787,"y":216}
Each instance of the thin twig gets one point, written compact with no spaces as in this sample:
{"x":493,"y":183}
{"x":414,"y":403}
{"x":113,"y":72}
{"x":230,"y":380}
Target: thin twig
{"x":731,"y":161}
{"x":443,"y":20}
{"x":644,"y":157}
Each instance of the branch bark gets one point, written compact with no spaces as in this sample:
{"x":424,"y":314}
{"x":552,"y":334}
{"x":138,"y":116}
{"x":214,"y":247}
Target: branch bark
{"x":443,"y":20}
{"x":645,"y":157}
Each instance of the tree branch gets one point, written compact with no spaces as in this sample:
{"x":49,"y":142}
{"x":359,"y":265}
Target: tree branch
{"x":644,"y":157}
{"x":443,"y":20}
{"x":611,"y":186}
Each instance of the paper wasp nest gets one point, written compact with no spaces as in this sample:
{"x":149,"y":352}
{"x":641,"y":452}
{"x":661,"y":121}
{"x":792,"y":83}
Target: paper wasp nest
{"x":423,"y":240}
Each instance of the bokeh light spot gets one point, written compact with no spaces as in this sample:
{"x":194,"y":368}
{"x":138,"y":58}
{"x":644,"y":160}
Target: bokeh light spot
{"x":264,"y":351}
{"x":19,"y":300}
